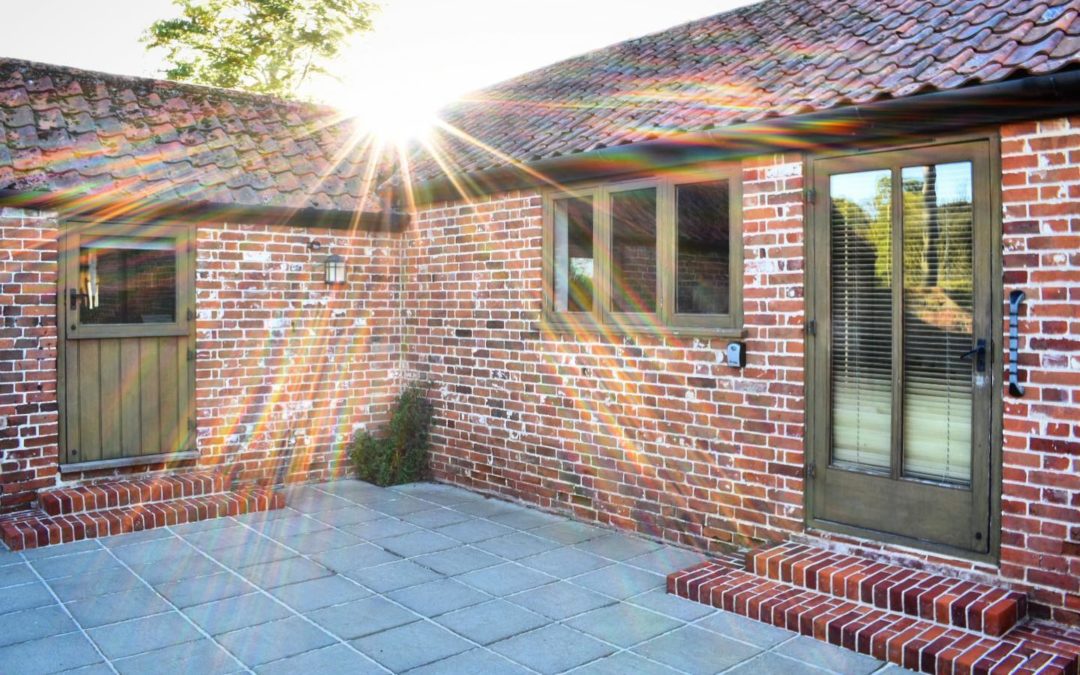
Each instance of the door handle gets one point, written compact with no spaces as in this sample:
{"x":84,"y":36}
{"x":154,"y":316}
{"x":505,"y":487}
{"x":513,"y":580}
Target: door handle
{"x":74,"y":297}
{"x":979,"y":352}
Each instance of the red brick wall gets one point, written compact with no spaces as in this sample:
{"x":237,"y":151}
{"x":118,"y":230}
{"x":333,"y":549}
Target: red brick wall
{"x":288,"y":367}
{"x":28,"y":409}
{"x":653,"y":434}
{"x":1041,"y":481}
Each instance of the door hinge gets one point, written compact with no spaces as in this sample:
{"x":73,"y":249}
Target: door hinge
{"x":191,"y":355}
{"x":811,"y":195}
{"x":811,"y":469}
{"x":811,"y":327}
{"x":191,"y":315}
{"x":191,"y":425}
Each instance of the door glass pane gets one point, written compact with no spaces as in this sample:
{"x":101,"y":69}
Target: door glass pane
{"x":573,"y":255}
{"x":633,"y":251}
{"x":127,"y":281}
{"x":704,"y":270}
{"x":861,"y":250}
{"x":938,"y":289}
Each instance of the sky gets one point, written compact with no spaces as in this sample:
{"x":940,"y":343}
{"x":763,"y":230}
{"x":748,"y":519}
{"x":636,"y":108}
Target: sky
{"x":422,"y":53}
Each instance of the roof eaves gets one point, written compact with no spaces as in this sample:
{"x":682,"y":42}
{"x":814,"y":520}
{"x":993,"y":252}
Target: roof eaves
{"x":197,"y":211}
{"x":1021,"y":98}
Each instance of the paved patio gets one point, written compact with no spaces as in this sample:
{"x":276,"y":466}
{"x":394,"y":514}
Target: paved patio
{"x":354,"y":578}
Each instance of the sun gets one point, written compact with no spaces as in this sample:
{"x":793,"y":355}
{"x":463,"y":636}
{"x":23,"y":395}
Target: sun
{"x":394,"y":88}
{"x":392,"y":108}
{"x":389,"y":109}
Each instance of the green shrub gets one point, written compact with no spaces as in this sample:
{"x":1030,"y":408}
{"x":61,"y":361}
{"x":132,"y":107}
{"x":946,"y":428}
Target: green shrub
{"x":400,"y":453}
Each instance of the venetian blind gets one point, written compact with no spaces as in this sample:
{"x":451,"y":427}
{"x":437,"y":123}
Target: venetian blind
{"x":938,"y":290}
{"x":861,"y":254}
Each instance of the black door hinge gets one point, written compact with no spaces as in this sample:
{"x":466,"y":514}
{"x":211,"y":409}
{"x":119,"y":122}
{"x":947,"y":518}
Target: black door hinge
{"x":811,"y":469}
{"x":811,"y":327}
{"x":811,"y":195}
{"x":191,"y":315}
{"x":191,"y":355}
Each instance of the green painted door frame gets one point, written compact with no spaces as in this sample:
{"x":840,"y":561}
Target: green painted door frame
{"x":126,"y":382}
{"x":886,"y":503}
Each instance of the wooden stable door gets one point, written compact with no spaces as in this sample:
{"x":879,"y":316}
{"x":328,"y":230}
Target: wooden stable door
{"x":902,"y":346}
{"x":127,"y":368}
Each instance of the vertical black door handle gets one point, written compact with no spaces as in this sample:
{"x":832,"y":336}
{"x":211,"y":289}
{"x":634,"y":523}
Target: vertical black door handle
{"x":979,"y":352}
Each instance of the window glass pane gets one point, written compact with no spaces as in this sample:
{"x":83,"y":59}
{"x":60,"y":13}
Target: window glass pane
{"x":573,"y":255}
{"x":704,"y":268}
{"x":633,"y":251}
{"x":127,"y":280}
{"x":938,"y":303}
{"x":861,"y":250}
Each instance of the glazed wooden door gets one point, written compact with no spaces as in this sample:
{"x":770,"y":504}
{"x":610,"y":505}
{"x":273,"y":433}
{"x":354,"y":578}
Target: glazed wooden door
{"x":902,"y":345}
{"x":127,"y":368}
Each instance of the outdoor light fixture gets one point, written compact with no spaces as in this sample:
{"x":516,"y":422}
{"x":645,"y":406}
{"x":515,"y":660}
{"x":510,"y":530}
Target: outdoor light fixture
{"x":335,"y":269}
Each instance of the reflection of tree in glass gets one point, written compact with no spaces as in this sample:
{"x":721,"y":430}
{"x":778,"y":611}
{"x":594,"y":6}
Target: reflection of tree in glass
{"x":581,"y":284}
{"x":937,"y":232}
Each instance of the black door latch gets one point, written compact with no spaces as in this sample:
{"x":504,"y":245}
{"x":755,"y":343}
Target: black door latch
{"x":979,"y":352}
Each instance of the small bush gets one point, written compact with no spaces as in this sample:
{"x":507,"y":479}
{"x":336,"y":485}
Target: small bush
{"x":399,"y":454}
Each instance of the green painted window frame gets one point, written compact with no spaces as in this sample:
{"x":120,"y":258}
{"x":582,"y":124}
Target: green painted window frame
{"x":602,"y":318}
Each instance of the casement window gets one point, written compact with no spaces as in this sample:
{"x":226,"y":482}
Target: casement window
{"x":659,"y":254}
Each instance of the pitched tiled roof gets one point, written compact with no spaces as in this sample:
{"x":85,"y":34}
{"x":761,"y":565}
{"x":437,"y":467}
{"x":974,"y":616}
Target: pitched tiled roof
{"x":91,"y":134}
{"x":776,"y":58}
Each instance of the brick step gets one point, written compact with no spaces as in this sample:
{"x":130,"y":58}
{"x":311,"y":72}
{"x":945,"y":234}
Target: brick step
{"x":37,"y":529}
{"x":952,"y":602}
{"x":911,"y":642}
{"x":119,"y":493}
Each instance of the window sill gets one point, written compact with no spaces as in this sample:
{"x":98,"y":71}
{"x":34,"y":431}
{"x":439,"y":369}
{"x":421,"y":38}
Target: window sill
{"x":588,"y":325}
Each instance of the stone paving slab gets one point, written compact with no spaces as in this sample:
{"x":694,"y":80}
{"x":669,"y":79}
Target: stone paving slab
{"x":492,"y":621}
{"x":201,"y":656}
{"x":350,"y":577}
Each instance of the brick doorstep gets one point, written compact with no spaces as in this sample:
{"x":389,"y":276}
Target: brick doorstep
{"x":114,"y":494}
{"x":37,"y":528}
{"x":978,"y":607}
{"x":916,"y":643}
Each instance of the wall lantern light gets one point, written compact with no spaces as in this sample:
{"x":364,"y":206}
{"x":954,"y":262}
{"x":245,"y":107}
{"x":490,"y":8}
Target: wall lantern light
{"x":335,"y":269}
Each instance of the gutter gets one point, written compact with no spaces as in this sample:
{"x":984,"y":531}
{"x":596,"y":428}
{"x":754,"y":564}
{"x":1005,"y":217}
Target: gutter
{"x":1021,"y":99}
{"x":80,"y":206}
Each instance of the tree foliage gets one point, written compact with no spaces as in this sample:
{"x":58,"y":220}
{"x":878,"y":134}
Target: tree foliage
{"x":263,"y":46}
